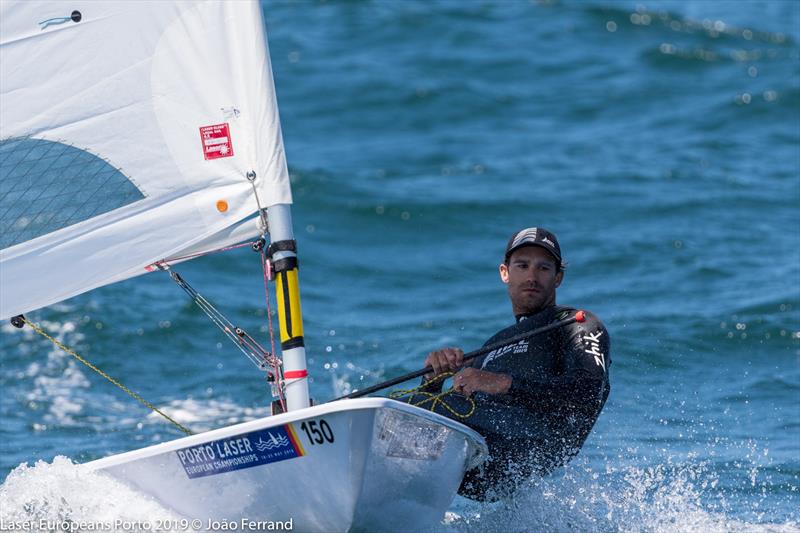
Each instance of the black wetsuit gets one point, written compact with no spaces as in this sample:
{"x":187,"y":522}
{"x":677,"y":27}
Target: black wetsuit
{"x":559,"y":385}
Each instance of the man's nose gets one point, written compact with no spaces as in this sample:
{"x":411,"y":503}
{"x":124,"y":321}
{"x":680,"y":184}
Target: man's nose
{"x":538,"y":275}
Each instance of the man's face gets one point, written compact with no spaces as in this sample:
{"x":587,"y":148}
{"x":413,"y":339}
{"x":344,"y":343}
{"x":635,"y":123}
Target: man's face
{"x":532,"y":278}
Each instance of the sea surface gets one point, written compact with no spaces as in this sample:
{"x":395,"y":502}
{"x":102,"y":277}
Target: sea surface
{"x":659,"y":140}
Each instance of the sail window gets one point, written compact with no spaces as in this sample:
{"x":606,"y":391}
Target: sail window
{"x":48,"y":185}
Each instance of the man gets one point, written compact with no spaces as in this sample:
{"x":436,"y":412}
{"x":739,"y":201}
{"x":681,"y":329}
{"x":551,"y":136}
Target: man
{"x":535,"y":400}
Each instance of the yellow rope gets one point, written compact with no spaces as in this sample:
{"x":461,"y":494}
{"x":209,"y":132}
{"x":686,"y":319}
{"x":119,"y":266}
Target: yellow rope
{"x":435,"y":398}
{"x":144,"y":402}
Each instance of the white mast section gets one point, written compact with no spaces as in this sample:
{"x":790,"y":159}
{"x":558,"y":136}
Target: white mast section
{"x":283,"y":255}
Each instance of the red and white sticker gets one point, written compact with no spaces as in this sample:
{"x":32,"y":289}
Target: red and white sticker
{"x":216,"y":141}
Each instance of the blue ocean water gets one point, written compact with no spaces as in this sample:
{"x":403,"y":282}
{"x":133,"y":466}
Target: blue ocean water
{"x":660,"y":141}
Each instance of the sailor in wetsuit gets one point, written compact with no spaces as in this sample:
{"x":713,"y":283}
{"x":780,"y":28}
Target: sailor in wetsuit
{"x":537,"y":399}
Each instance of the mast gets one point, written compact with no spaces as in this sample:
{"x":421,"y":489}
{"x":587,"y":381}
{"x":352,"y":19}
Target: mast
{"x":283,"y":256}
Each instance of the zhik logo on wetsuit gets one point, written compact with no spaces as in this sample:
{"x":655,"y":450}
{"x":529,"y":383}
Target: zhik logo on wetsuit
{"x":593,"y":349}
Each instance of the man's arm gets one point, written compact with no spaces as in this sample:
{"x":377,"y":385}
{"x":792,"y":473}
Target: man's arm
{"x":585,"y":379}
{"x":468,"y":380}
{"x":444,"y":360}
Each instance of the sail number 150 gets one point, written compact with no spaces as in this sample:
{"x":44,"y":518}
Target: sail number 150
{"x":317,"y":432}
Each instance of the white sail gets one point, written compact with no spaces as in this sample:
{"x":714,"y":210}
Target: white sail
{"x":127,"y":131}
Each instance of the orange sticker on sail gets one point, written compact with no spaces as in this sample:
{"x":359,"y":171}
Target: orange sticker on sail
{"x":222,"y":206}
{"x":216,"y":141}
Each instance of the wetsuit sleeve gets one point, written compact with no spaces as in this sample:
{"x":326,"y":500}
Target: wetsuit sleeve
{"x":435,"y":386}
{"x":584,"y":382}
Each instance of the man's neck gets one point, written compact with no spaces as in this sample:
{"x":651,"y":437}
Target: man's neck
{"x":525,"y":316}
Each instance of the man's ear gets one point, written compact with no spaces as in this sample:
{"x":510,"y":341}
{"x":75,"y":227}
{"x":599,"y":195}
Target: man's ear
{"x":559,"y":278}
{"x":504,"y":273}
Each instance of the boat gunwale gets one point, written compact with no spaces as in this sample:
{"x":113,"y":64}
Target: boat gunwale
{"x":285,"y":418}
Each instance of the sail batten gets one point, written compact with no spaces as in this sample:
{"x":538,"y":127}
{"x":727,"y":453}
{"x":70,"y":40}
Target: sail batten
{"x":146,"y":130}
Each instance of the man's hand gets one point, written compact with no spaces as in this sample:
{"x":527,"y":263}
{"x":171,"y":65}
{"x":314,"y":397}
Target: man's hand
{"x":472,"y":380}
{"x":444,"y":360}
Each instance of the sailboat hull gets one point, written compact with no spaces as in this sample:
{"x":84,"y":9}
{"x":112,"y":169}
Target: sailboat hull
{"x":352,"y":465}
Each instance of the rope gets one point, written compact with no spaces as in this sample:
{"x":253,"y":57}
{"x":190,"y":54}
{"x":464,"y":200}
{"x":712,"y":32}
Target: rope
{"x":251,"y":177}
{"x":135,"y":396}
{"x":201,"y":254}
{"x":266,"y":267}
{"x":434,"y":398}
{"x":260,"y":357}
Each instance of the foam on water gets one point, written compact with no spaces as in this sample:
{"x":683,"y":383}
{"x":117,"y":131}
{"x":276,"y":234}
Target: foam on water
{"x":64,"y":496}
{"x":53,"y":381}
{"x":663,"y":498}
{"x":207,"y":414}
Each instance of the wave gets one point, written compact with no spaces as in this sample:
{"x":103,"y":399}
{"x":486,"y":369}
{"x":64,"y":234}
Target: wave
{"x":685,"y":495}
{"x":661,"y":498}
{"x":206,"y":414}
{"x":668,"y":21}
{"x":66,"y":497}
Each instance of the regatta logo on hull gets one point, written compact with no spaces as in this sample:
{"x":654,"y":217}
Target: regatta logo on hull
{"x":241,"y":451}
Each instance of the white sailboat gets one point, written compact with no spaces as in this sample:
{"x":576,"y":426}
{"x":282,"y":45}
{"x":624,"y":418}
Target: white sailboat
{"x":135,"y":135}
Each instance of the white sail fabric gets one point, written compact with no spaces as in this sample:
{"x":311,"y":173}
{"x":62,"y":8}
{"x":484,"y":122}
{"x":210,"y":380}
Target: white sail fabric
{"x":127,"y":130}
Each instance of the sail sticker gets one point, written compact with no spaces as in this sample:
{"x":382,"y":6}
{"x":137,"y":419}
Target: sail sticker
{"x":241,"y":451}
{"x":216,"y":141}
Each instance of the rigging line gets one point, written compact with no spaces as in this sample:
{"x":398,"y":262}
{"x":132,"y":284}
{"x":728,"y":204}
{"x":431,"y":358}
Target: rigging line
{"x":231,"y":331}
{"x":223,"y":324}
{"x":251,"y":177}
{"x":267,"y":269}
{"x":434,"y":398}
{"x":135,"y":396}
{"x":238,"y":336}
{"x":254,"y":345}
{"x":207,"y":252}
